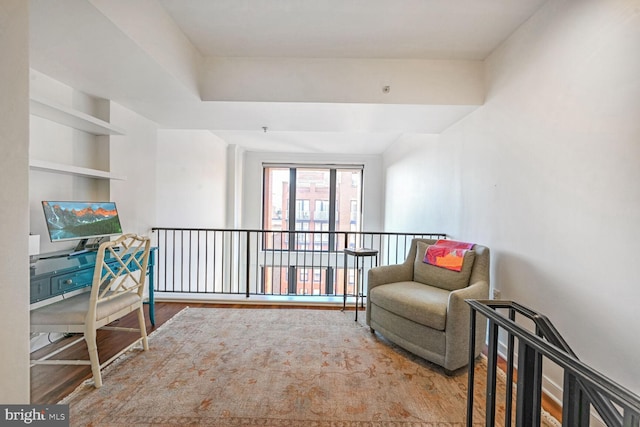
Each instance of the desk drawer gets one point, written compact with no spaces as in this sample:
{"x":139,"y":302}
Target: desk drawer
{"x":70,"y":281}
{"x":40,"y":289}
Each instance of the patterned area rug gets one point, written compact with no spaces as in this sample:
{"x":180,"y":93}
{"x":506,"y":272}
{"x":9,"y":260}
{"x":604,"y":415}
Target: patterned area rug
{"x":268,"y":367}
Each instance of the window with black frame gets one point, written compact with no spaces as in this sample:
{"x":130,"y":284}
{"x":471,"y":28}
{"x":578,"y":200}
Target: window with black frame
{"x":322,"y":200}
{"x":308,"y":211}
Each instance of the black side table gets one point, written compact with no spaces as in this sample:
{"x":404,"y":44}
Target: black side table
{"x":357,"y":254}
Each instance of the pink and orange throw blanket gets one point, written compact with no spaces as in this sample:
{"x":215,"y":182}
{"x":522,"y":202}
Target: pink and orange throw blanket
{"x":447,"y":254}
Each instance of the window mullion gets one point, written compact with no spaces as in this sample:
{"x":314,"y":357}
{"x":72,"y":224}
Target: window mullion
{"x":292,"y":199}
{"x":293,"y":217}
{"x":332,"y":208}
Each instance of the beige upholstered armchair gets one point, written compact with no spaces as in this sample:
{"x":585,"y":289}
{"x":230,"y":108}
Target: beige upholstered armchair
{"x":422,"y":307}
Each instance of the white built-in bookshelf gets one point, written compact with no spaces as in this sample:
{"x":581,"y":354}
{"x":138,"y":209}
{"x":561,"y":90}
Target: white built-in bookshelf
{"x":75,"y":119}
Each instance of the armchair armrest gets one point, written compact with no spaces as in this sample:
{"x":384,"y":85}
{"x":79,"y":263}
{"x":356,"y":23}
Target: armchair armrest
{"x":389,"y":274}
{"x":458,"y":310}
{"x":386,"y":274}
{"x":457,"y":327}
{"x":477,"y":290}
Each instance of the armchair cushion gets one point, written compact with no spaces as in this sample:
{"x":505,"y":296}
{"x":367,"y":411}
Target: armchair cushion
{"x":422,"y":304}
{"x":441,"y":277}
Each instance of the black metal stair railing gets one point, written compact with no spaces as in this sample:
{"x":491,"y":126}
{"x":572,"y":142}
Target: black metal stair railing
{"x":583,"y":387}
{"x":248,"y":262}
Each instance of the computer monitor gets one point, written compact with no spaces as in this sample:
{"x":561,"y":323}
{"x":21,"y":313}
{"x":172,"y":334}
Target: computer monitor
{"x":81,"y":221}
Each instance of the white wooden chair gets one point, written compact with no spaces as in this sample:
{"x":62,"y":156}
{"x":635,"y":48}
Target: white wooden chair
{"x":117,"y":289}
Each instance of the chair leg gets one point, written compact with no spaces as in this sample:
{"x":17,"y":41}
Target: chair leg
{"x":90,"y":338}
{"x":143,"y":329}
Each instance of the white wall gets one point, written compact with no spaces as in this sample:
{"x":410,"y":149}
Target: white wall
{"x":152,"y":28}
{"x":252,"y":183}
{"x":14,"y":202}
{"x":422,"y":188}
{"x":133,"y":156}
{"x":191,"y":178}
{"x":235,"y":167}
{"x":546,"y":174}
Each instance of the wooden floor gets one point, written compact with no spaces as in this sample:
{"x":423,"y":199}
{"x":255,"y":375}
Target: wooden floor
{"x":49,"y":384}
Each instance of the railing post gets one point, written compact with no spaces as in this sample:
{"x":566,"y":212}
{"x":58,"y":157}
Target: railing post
{"x":630,"y":419}
{"x":525,"y":406}
{"x":292,"y":280}
{"x":248,"y":268}
{"x":471,"y":367}
{"x":571,"y":401}
{"x":509,"y":385}
{"x":492,"y":369}
{"x":329,"y":281}
{"x":345,"y":271}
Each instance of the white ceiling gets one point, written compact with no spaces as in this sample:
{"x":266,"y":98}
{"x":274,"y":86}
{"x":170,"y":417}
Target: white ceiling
{"x":418,"y":29}
{"x":149,"y":56}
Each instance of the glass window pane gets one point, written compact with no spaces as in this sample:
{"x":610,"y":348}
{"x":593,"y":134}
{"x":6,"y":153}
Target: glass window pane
{"x":348,"y":205}
{"x":276,"y":197}
{"x":312,"y":187}
{"x":348,"y":199}
{"x":312,"y":206}
{"x":275,"y":207}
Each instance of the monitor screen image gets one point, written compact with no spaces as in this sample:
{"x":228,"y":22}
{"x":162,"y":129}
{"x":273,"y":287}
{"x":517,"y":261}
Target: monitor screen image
{"x":81,"y":220}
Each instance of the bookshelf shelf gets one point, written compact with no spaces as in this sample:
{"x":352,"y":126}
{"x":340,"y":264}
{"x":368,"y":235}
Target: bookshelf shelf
{"x":42,"y":165}
{"x":72,"y":118}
